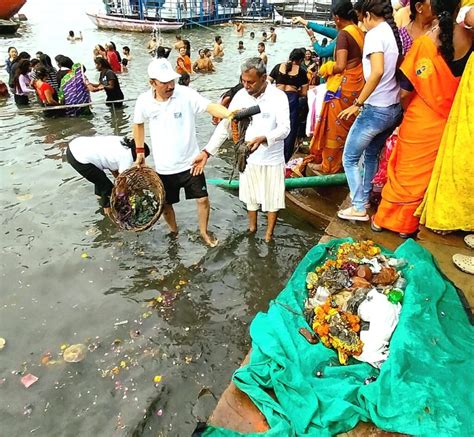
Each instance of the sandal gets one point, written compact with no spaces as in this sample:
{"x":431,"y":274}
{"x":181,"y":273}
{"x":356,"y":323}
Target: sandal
{"x":469,"y":240}
{"x":464,"y":263}
{"x":438,"y":232}
{"x":352,"y":214}
{"x":375,"y":227}
{"x":405,"y":236}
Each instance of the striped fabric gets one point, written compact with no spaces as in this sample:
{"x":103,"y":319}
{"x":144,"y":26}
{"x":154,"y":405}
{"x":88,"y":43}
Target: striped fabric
{"x":263,"y":185}
{"x":73,"y":91}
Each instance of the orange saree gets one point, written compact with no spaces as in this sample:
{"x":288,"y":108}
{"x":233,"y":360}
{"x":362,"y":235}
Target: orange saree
{"x":412,"y":160}
{"x":330,"y":133}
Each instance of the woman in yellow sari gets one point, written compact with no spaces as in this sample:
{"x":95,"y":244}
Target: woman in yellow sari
{"x":448,"y":204}
{"x":345,"y":81}
{"x":432,"y":70}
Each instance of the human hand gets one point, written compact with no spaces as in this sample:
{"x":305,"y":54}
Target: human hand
{"x":349,"y":112}
{"x":197,"y":167}
{"x":232,"y":114}
{"x":107,"y":211}
{"x":299,"y":20}
{"x":140,"y":161}
{"x":255,"y":143}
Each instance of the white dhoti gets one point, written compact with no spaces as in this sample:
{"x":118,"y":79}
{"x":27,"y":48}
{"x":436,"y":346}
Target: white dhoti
{"x":263,"y":185}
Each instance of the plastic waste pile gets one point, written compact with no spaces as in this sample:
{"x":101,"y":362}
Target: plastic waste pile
{"x":354,"y":301}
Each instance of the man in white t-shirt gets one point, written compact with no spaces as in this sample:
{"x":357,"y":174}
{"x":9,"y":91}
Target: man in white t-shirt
{"x":263,"y":181}
{"x":91,"y":156}
{"x":170,"y":111}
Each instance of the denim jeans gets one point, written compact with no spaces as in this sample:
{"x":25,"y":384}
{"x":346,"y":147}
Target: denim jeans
{"x":367,"y":136}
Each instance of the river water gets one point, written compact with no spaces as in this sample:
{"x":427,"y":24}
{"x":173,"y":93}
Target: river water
{"x":69,"y":276}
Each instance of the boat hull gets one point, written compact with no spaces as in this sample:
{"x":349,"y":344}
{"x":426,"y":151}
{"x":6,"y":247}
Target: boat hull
{"x":130,"y":25}
{"x":8,"y":27}
{"x":8,"y":8}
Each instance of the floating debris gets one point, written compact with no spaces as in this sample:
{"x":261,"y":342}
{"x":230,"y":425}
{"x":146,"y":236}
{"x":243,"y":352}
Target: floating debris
{"x":157,"y":379}
{"x":24,"y":197}
{"x":123,"y":322}
{"x":3,"y":343}
{"x":28,"y":380}
{"x":75,"y":353}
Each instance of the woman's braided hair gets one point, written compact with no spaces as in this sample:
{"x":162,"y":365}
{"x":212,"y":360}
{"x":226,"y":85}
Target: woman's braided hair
{"x":383,"y":8}
{"x":445,"y":10}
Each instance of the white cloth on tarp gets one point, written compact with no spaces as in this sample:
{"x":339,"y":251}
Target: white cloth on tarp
{"x":315,"y":104}
{"x":383,"y":317}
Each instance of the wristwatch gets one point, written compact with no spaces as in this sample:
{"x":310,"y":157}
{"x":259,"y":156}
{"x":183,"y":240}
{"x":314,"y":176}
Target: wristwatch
{"x":206,"y":152}
{"x":358,"y":104}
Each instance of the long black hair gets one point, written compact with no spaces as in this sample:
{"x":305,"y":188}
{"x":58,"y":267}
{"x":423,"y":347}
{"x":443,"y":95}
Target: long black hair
{"x":296,"y":55}
{"x":103,"y":63}
{"x":383,"y":9}
{"x":64,"y":61}
{"x":45,"y":61}
{"x":23,"y":68}
{"x":129,"y":143}
{"x":344,"y":9}
{"x":445,"y":10}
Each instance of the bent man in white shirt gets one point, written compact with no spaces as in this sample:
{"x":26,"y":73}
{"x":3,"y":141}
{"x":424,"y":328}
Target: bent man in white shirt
{"x":263,"y":181}
{"x":91,"y":156}
{"x":170,"y":111}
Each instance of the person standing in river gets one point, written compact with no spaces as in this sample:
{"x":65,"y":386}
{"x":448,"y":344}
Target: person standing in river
{"x":218,"y":51}
{"x":171,"y":112}
{"x":108,"y":82}
{"x":262,"y":183}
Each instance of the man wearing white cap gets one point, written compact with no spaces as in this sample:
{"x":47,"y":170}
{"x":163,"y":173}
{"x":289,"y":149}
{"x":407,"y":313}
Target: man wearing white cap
{"x":171,"y":111}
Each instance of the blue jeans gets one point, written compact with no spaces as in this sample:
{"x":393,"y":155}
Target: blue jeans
{"x":367,"y":136}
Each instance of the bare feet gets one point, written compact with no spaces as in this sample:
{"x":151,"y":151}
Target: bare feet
{"x":252,"y":230}
{"x":268,"y":238}
{"x":210,"y":241}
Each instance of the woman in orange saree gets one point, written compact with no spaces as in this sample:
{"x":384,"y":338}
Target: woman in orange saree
{"x":345,"y":81}
{"x":434,"y":75}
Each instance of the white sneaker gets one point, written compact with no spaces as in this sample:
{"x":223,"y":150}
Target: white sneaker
{"x":352,"y":214}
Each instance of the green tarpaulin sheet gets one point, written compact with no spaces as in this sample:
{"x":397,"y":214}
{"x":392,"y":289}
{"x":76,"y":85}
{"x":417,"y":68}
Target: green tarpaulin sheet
{"x":425,"y":388}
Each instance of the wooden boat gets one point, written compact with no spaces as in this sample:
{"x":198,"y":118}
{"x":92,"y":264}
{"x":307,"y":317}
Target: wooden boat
{"x":8,"y":8}
{"x":130,"y":25}
{"x":8,"y":27}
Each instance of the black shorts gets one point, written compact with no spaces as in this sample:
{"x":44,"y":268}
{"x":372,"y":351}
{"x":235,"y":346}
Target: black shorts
{"x":194,"y":186}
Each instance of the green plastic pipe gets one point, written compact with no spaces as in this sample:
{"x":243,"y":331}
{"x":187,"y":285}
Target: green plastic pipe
{"x":304,"y":182}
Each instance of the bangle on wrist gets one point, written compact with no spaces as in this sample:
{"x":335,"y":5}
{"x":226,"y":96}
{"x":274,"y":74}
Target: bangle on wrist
{"x":206,"y":152}
{"x":358,"y":104}
{"x":140,"y":150}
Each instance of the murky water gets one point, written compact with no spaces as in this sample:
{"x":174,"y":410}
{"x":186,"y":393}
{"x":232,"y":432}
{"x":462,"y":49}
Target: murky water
{"x":53,"y":294}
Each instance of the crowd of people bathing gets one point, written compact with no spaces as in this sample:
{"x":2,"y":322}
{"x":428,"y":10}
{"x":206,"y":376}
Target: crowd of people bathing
{"x":65,"y":84}
{"x":394,"y":95}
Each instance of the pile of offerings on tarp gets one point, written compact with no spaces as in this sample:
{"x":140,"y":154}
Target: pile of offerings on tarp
{"x":354,"y":301}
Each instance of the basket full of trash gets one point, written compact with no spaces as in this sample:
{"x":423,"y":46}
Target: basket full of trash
{"x":137,"y":199}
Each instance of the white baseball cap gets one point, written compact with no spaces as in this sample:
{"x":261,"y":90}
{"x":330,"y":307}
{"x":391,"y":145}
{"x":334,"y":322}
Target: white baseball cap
{"x":160,"y":69}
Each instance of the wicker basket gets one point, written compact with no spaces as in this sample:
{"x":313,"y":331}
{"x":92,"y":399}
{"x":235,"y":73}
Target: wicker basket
{"x":133,"y":182}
